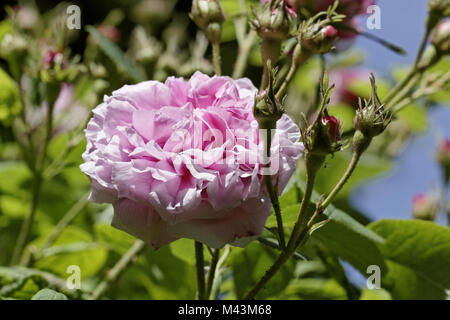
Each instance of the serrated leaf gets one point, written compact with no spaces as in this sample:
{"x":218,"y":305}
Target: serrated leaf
{"x":418,"y":254}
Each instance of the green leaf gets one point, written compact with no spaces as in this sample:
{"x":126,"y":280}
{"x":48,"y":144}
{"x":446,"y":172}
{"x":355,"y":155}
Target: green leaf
{"x":350,"y":240}
{"x":250,"y":264}
{"x":10,"y":105}
{"x":315,"y":289}
{"x":73,"y":247}
{"x":342,"y":235}
{"x":48,"y":294}
{"x":419,"y":258}
{"x":116,"y":54}
{"x":377,"y":294}
{"x":368,"y":168}
{"x":415,"y":117}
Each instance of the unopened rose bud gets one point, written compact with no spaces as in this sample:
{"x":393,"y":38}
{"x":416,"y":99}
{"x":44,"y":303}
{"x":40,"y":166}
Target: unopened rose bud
{"x":370,"y":120}
{"x":331,"y":128}
{"x":318,"y":40}
{"x":26,"y":17}
{"x":56,"y":69}
{"x":276,"y":23}
{"x":204,"y":12}
{"x":437,"y":10}
{"x":443,"y":157}
{"x":323,"y":136}
{"x":268,"y":110}
{"x":425,"y":207}
{"x":53,"y":58}
{"x":441,"y":37}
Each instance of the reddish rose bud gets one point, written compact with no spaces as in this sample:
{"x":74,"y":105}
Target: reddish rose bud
{"x":53,"y":57}
{"x":443,"y":157}
{"x":441,"y":37}
{"x":329,"y":32}
{"x":332,"y":126}
{"x":425,"y":207}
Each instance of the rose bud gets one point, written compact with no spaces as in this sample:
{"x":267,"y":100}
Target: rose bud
{"x":53,"y":58}
{"x":443,"y":157}
{"x":370,"y":120}
{"x":174,"y":159}
{"x":276,"y":22}
{"x":57,"y":69}
{"x":437,"y":10}
{"x":26,"y":17}
{"x":425,"y":207}
{"x":318,"y":41}
{"x":206,"y":12}
{"x":331,"y":128}
{"x":441,"y":38}
{"x":352,"y":9}
{"x":323,"y":136}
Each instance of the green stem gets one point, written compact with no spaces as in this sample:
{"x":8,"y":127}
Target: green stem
{"x":270,"y":50}
{"x":113,"y":275}
{"x":211,"y":272}
{"x":415,"y":68}
{"x":351,"y":167}
{"x":52,"y":92}
{"x":217,"y":61}
{"x":27,"y":224}
{"x":62,"y":224}
{"x":313,"y":163}
{"x":276,"y":207}
{"x":243,"y":54}
{"x":200,"y":270}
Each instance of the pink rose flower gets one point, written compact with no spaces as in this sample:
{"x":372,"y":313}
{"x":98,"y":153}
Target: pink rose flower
{"x":182,"y":159}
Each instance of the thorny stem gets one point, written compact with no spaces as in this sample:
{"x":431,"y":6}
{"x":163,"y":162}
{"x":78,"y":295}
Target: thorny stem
{"x":200,"y":263}
{"x":52,"y":92}
{"x":215,"y":254}
{"x":217,"y":61}
{"x":26,"y":226}
{"x":73,"y":212}
{"x":351,"y":167}
{"x":243,"y":54}
{"x":415,"y":68}
{"x":113,"y":275}
{"x":276,"y":207}
{"x":270,"y":50}
{"x":296,"y":233}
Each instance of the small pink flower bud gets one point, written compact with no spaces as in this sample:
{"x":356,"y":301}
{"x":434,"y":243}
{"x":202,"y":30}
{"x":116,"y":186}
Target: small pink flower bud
{"x":329,"y":32}
{"x":53,"y":57}
{"x":332,"y":125}
{"x":443,"y":157}
{"x":441,"y":37}
{"x":425,"y":207}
